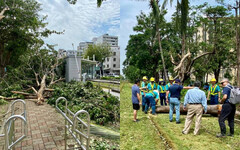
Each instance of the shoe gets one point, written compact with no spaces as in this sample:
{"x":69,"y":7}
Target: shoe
{"x":136,"y":120}
{"x":170,"y":120}
{"x":183,"y":132}
{"x":220,"y":135}
{"x":178,"y":122}
{"x":145,"y":112}
{"x":230,"y":135}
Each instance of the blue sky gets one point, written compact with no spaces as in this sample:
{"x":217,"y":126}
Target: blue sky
{"x":131,"y":8}
{"x":81,"y":21}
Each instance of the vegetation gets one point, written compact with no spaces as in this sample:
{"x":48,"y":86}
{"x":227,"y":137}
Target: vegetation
{"x":156,"y":132}
{"x":186,"y":41}
{"x":102,"y":107}
{"x":101,"y":52}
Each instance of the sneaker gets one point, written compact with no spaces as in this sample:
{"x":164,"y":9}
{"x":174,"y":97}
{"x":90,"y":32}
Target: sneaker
{"x":145,"y":112}
{"x":220,"y":135}
{"x":230,"y":134}
{"x":183,"y":132}
{"x":178,"y":122}
{"x":170,"y":120}
{"x":136,"y":120}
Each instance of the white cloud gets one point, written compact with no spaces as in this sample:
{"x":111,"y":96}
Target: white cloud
{"x":81,"y":21}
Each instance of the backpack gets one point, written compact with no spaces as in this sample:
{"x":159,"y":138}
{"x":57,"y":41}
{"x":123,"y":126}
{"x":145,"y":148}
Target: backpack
{"x":234,"y":95}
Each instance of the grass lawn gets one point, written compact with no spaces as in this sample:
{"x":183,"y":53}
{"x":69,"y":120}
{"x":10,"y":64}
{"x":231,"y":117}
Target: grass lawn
{"x":140,"y":135}
{"x":106,"y":85}
{"x":144,"y":135}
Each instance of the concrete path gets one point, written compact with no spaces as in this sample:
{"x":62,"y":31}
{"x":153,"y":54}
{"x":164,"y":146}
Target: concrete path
{"x":45,"y":128}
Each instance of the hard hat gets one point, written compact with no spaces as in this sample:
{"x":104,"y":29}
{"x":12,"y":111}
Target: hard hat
{"x":171,"y":78}
{"x":213,"y":80}
{"x":161,"y":80}
{"x":144,"y":78}
{"x":152,"y":79}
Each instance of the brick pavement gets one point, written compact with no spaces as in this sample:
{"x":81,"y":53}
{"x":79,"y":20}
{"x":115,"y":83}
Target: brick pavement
{"x":45,"y":128}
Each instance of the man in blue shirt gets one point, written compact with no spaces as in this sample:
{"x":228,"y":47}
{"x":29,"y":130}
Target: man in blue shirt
{"x":228,"y":110}
{"x":175,"y":91}
{"x":196,"y":100}
{"x":151,"y":97}
{"x":136,"y":99}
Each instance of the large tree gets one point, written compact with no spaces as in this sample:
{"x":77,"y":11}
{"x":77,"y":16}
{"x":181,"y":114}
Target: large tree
{"x":19,"y":30}
{"x":100,"y":51}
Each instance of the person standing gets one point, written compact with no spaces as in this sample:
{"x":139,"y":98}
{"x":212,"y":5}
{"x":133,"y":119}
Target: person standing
{"x":143,"y":85}
{"x":136,"y":99}
{"x":175,"y":91}
{"x":228,"y":110}
{"x":214,"y":91}
{"x":171,"y":81}
{"x":162,"y":91}
{"x":196,"y":100}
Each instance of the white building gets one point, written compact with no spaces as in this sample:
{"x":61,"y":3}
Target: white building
{"x":83,"y":46}
{"x":111,"y":64}
{"x":112,"y":41}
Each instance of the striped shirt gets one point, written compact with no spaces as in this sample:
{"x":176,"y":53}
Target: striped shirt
{"x":195,"y":95}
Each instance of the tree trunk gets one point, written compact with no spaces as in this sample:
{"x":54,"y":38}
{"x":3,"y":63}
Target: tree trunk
{"x":182,"y":69}
{"x":211,"y":109}
{"x":39,"y":93}
{"x":238,"y":44}
{"x":161,"y":52}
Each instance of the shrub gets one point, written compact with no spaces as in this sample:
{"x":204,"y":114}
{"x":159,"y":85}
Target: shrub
{"x":102,"y":107}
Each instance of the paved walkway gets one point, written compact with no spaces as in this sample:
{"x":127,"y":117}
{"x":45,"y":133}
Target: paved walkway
{"x":45,"y":128}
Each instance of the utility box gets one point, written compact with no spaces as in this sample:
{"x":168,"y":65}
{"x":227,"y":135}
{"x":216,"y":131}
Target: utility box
{"x":73,"y":68}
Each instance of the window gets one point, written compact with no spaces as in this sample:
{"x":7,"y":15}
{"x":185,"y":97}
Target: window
{"x":107,"y":59}
{"x":114,"y":59}
{"x":114,"y":53}
{"x":107,"y":66}
{"x":114,"y":65}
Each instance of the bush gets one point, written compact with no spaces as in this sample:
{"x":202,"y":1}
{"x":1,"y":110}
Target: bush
{"x":102,"y":107}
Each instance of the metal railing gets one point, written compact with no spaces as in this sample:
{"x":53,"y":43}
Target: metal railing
{"x":9,"y":126}
{"x":75,"y":126}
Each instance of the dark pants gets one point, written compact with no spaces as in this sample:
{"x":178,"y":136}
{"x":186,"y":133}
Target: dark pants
{"x":214,"y":100}
{"x":143,"y":102}
{"x":150,"y":100}
{"x":163,"y":98}
{"x":228,"y":112}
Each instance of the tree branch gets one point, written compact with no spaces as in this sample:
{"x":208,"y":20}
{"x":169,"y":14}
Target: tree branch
{"x":182,"y":60}
{"x":172,"y":60}
{"x":2,"y":12}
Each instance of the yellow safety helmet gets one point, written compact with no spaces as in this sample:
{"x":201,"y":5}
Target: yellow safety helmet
{"x":213,"y":80}
{"x":171,"y":78}
{"x":161,"y":80}
{"x":152,"y":79}
{"x":144,"y":78}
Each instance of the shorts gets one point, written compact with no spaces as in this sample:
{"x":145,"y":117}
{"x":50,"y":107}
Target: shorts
{"x":136,"y":106}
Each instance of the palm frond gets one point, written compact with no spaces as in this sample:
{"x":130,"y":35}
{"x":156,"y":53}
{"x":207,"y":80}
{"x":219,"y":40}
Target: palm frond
{"x":99,"y":3}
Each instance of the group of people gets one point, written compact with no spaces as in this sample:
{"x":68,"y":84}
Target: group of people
{"x":195,"y":101}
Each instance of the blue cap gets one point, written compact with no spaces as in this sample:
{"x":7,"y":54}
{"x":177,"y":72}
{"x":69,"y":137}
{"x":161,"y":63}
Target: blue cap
{"x":177,"y":81}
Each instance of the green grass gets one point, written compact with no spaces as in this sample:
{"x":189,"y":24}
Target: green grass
{"x":106,"y":85}
{"x":143,"y":135}
{"x":140,"y":135}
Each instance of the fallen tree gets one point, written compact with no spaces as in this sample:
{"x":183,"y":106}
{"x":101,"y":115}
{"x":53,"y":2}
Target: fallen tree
{"x":211,"y":109}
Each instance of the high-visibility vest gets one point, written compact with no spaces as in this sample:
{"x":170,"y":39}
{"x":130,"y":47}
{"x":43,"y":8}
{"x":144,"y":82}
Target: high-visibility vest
{"x":143,"y":85}
{"x":212,"y":90}
{"x":162,"y":91}
{"x":153,"y":87}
